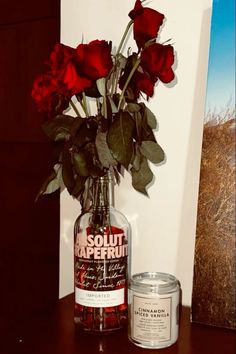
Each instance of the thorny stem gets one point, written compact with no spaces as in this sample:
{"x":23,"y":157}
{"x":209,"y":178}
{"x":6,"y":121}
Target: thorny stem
{"x":128,"y":80}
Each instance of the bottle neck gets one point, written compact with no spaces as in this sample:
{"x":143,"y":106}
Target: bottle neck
{"x":103,"y":193}
{"x":102,"y":200}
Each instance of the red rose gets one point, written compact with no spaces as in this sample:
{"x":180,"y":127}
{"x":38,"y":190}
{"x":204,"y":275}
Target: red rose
{"x":146,"y":23}
{"x":157,"y":60}
{"x":45,"y":94}
{"x":144,"y":83}
{"x":94,"y":59}
{"x":140,"y":81}
{"x":63,"y":68}
{"x":60,"y":57}
{"x":74,"y":82}
{"x":66,"y":73}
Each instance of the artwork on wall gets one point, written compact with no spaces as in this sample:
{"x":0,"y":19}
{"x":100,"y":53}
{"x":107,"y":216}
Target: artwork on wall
{"x":214,"y":283}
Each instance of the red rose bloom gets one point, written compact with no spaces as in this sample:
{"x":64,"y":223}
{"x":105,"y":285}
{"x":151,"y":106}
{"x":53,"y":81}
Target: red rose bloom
{"x":157,"y":60}
{"x":60,"y":57}
{"x":66,"y":72}
{"x":45,"y":94}
{"x":94,"y":59}
{"x":66,"y":75}
{"x":146,"y":23}
{"x":74,"y":82}
{"x":140,"y":81}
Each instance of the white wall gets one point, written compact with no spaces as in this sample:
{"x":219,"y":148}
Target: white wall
{"x":163,"y":226}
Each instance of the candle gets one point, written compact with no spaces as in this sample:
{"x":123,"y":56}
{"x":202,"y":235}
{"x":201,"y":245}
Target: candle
{"x":153,"y":309}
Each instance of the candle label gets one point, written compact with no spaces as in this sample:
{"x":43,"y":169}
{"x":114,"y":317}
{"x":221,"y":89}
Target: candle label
{"x":151,"y":319}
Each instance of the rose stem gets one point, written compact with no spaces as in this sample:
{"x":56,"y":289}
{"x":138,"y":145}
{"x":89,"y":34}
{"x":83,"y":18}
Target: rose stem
{"x":85,"y":105}
{"x":124,"y":36}
{"x":75,"y":108}
{"x":117,"y":53}
{"x":128,"y":80}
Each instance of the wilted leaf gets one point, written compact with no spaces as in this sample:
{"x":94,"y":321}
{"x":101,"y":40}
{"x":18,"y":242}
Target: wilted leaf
{"x":121,"y":61}
{"x":67,"y":170}
{"x":86,"y":132}
{"x":136,"y":159}
{"x":101,"y":85}
{"x":59,"y":127}
{"x":132,"y":107}
{"x":78,"y":122}
{"x":84,"y":166}
{"x":103,"y":151}
{"x":120,"y":138}
{"x":52,"y":183}
{"x":138,"y":124}
{"x":79,"y":185}
{"x":149,"y":117}
{"x":152,"y":151}
{"x":142,"y":177}
{"x":113,"y":106}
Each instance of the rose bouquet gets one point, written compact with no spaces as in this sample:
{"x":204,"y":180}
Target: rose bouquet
{"x":120,"y":135}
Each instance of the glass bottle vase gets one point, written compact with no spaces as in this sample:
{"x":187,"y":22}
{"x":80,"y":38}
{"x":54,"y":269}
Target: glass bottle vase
{"x":101,"y":255}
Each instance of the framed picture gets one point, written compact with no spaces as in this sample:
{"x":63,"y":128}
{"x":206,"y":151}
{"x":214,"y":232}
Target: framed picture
{"x":214,"y":282}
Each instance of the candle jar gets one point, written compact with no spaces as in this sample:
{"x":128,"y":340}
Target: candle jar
{"x":153,"y":310}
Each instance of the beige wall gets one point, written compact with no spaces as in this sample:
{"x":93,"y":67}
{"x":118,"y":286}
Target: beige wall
{"x":163,"y":225}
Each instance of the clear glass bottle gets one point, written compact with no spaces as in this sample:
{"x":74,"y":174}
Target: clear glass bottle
{"x":101,"y":263}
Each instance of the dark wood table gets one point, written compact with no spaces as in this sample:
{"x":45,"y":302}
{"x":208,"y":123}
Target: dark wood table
{"x":53,"y":333}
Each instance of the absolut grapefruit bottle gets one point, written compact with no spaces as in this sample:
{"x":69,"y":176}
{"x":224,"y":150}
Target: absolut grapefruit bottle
{"x":101,"y":263}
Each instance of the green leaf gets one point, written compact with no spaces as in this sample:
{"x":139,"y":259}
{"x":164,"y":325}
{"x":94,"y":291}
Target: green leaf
{"x":86,"y":132}
{"x":121,"y":62}
{"x":101,"y":85}
{"x":81,"y":163}
{"x":132,"y":107}
{"x":58,"y":128}
{"x":103,"y":151}
{"x":78,"y":122}
{"x":52,"y":183}
{"x":67,"y":171}
{"x":151,"y":118}
{"x":152,"y":151}
{"x":120,"y":138}
{"x":79,"y":186}
{"x":138,"y":124}
{"x":136,"y":159}
{"x":114,"y":108}
{"x":84,"y":166}
{"x":142,"y":177}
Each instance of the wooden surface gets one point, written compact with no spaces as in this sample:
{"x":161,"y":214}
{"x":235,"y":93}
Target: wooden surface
{"x":29,"y":236}
{"x":54,"y":333}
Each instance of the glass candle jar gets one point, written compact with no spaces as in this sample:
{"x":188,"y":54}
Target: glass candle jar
{"x":153,"y":309}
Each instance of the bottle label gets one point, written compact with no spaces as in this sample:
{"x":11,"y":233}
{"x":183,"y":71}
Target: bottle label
{"x":99,"y":298}
{"x":101,"y":268}
{"x":151,"y":319}
{"x":106,"y":246}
